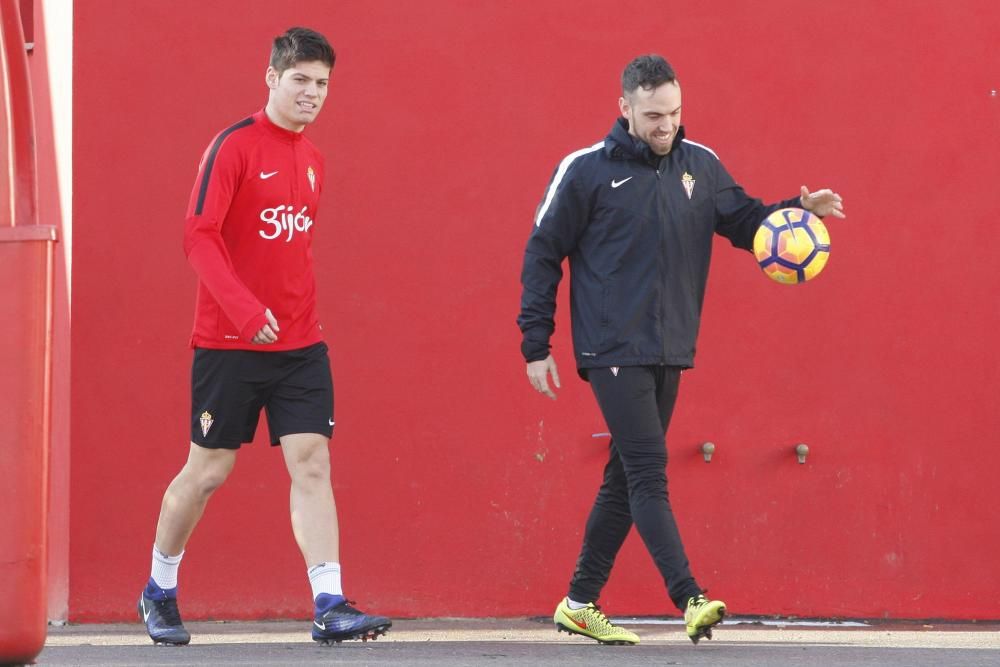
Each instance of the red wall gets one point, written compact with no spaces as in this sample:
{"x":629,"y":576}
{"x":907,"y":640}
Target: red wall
{"x":461,"y":491}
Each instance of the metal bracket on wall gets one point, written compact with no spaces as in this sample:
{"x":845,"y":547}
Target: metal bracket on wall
{"x":707,"y":450}
{"x":801,"y":451}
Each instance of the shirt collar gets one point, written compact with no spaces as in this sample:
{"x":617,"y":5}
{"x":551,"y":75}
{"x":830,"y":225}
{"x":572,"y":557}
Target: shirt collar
{"x":276,"y":130}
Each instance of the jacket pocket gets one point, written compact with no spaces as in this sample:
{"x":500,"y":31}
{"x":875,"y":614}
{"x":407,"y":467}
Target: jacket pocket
{"x":607,"y":296}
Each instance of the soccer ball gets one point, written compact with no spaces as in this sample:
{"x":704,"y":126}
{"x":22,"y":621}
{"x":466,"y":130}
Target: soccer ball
{"x":791,"y":246}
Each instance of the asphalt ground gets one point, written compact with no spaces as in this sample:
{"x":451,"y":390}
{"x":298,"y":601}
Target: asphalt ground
{"x":451,"y":643}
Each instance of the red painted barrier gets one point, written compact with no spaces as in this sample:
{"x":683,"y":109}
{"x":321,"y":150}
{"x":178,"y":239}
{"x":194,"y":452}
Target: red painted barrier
{"x":26,"y":287}
{"x":26,"y":276}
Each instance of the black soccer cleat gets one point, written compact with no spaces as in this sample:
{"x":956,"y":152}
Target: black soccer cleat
{"x":344,"y":622}
{"x":163,"y":620}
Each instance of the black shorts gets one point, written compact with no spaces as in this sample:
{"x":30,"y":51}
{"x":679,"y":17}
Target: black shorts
{"x":229,"y":388}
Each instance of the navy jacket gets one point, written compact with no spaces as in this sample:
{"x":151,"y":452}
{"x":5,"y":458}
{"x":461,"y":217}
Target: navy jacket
{"x":637,"y":229}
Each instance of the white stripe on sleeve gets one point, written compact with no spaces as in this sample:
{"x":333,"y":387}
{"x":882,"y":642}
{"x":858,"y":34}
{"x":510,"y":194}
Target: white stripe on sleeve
{"x":702,"y":146}
{"x":557,"y":179}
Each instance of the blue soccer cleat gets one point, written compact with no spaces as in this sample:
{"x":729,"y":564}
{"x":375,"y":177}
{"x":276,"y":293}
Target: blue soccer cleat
{"x":158,"y":610}
{"x":336,"y":620}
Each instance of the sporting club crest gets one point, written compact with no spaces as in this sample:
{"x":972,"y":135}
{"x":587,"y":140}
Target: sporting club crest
{"x":687,"y":180}
{"x":206,"y":422}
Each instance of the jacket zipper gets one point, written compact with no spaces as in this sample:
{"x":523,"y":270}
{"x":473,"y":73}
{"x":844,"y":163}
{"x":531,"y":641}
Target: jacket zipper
{"x":660,"y":263}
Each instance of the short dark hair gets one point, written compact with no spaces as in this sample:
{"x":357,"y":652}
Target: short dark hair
{"x":300,"y":45}
{"x":646,"y":72}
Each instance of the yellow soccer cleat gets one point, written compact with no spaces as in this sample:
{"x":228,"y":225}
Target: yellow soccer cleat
{"x":591,"y":622}
{"x":701,"y":615}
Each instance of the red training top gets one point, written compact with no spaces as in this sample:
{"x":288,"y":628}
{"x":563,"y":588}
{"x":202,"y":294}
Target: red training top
{"x":248,"y":235}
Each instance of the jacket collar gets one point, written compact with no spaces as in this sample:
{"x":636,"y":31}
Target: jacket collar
{"x":274,"y":130}
{"x":622,"y":145}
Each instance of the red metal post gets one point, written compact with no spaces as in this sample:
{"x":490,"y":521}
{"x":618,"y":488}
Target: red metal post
{"x":26,"y":290}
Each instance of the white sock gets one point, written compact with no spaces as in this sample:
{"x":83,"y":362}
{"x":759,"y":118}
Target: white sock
{"x":164,"y":572}
{"x":573,"y":604}
{"x":325,"y":578}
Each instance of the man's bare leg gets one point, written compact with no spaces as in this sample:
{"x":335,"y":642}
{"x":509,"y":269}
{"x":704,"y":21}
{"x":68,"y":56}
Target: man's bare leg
{"x":314,"y":523}
{"x":185,"y":499}
{"x":313,"y":509}
{"x":183,"y":505}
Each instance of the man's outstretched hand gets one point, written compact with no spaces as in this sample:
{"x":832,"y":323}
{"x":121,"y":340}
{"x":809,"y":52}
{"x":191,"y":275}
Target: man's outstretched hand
{"x":822,"y":202}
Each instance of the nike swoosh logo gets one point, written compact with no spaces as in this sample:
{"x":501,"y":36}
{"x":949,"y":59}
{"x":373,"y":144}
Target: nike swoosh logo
{"x":331,"y":422}
{"x":145,"y":614}
{"x":264,"y":176}
{"x":582,"y":624}
{"x":321,"y":626}
{"x":614,"y":183}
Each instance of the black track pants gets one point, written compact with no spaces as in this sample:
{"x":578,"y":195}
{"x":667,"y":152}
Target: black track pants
{"x":636,"y":402}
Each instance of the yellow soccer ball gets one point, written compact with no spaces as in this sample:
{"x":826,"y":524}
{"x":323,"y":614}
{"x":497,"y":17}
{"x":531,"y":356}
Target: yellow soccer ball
{"x":791,"y":246}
